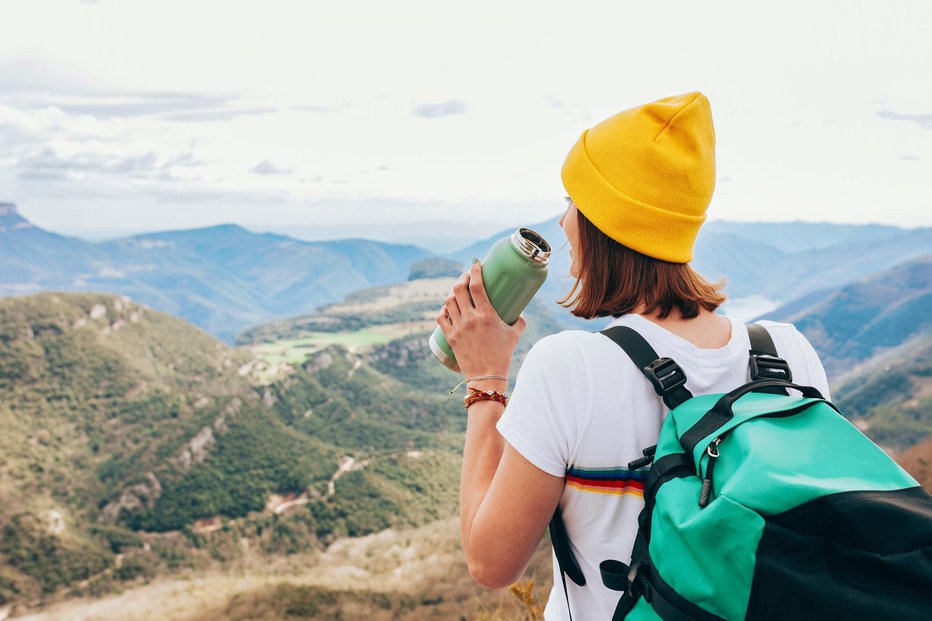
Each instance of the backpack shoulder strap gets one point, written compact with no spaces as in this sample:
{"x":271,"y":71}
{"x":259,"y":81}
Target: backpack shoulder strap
{"x":664,"y":374}
{"x":567,"y":562}
{"x":765,"y":363}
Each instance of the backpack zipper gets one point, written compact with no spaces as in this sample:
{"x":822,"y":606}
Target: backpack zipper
{"x":712,"y":451}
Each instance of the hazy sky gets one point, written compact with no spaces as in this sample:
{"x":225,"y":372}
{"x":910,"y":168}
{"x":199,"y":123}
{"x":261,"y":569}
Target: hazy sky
{"x":337,"y":118}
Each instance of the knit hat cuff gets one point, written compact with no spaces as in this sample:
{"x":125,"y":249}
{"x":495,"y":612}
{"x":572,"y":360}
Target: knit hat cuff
{"x":658,"y":233}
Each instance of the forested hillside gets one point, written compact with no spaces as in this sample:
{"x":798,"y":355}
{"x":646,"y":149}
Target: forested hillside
{"x":129,"y":432}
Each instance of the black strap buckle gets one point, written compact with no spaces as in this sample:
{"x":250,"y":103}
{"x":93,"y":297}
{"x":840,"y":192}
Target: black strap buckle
{"x":764,"y":366}
{"x":640,"y":462}
{"x":665,"y":375}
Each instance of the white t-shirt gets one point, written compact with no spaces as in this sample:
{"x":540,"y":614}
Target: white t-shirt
{"x":580,"y":409}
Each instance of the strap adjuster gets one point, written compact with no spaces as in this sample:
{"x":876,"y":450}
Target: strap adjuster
{"x":665,"y":375}
{"x":764,"y":366}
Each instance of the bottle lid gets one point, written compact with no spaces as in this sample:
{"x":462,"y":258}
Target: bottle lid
{"x":532,"y":245}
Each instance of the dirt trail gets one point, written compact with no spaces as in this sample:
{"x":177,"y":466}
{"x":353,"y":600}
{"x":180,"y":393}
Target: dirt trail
{"x":347,"y":464}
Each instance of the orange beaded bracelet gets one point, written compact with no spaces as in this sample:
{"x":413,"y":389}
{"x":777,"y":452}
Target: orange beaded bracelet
{"x":483,"y":395}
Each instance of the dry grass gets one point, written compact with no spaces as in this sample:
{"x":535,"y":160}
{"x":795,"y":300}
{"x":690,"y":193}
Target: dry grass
{"x":409,"y":575}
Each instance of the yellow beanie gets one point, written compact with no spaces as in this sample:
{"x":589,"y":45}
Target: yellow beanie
{"x":645,"y":176}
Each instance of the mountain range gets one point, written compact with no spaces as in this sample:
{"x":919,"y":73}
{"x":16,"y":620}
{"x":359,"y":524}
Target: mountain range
{"x":226,"y":279}
{"x":222,"y":278}
{"x":874,"y":337}
{"x":852,"y":323}
{"x":778,"y":261}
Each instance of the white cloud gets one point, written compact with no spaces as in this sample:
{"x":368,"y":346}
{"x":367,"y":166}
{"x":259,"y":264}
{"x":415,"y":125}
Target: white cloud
{"x":922,"y":120}
{"x":436,"y":110}
{"x":266,"y":167}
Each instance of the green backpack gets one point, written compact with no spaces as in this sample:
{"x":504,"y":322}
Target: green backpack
{"x":764,"y":505}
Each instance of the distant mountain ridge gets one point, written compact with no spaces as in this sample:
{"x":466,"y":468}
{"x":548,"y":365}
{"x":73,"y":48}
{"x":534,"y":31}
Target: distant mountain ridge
{"x":852,"y":323}
{"x":798,"y":236}
{"x":780,"y":261}
{"x":227,"y":279}
{"x":221,"y":278}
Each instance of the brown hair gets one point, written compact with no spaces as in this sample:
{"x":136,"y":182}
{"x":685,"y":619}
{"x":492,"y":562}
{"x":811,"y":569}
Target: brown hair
{"x":614,"y":280}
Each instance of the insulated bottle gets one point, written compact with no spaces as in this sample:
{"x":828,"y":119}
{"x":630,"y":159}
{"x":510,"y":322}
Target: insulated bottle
{"x":512,"y":272}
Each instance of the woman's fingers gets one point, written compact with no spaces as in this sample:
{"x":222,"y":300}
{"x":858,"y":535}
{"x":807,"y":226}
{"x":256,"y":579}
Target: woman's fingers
{"x":461,"y":295}
{"x":453,"y":308}
{"x":477,"y":289}
{"x":443,"y":317}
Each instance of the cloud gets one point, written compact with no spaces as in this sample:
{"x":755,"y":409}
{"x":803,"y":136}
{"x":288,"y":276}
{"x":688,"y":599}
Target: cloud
{"x":437,"y":110}
{"x":266,"y":167}
{"x":185,"y":159}
{"x":46,"y":165}
{"x":130,"y":104}
{"x":219,"y":115}
{"x":30,"y":84}
{"x":923,"y":120}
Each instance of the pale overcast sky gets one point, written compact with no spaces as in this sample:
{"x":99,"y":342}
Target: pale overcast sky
{"x":338,"y":118}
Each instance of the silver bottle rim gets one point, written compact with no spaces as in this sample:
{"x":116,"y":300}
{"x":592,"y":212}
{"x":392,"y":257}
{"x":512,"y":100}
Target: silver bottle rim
{"x":532,"y":245}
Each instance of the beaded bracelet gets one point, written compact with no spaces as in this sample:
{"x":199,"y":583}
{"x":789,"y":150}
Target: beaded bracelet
{"x":483,"y":395}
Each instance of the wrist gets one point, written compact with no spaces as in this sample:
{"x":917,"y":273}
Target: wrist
{"x":488,"y":384}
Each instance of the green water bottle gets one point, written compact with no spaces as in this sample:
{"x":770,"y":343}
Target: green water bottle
{"x":512,"y":272}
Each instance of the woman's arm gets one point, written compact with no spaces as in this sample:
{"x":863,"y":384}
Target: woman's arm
{"x":505,"y":501}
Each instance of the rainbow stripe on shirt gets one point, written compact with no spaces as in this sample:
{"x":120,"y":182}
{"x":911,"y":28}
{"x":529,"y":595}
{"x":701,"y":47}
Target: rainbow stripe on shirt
{"x":619,"y":481}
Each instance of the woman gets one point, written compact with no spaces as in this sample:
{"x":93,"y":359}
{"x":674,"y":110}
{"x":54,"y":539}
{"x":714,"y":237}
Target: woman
{"x":639,"y":184}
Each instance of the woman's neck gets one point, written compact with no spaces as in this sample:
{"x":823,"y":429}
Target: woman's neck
{"x":707,"y":330}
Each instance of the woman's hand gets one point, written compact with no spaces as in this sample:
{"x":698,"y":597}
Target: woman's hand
{"x":482,"y":342}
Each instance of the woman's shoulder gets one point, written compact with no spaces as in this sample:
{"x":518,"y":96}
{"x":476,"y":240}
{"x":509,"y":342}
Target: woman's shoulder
{"x":570,"y":355}
{"x":563,"y":344}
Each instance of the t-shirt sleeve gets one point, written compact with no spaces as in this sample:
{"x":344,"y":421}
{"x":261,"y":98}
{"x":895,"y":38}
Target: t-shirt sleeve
{"x":817,"y":375}
{"x":550,"y":392}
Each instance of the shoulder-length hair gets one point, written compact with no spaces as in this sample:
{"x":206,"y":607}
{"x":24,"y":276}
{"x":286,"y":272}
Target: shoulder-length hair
{"x":613,"y":279}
